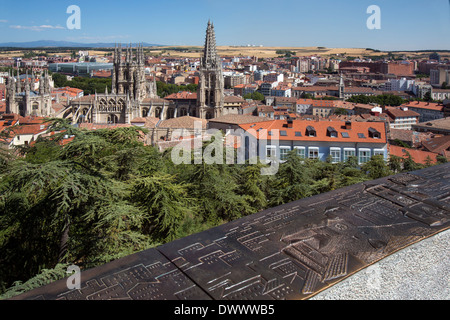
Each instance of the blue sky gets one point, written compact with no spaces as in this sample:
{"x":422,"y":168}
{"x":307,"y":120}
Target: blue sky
{"x":405,"y":25}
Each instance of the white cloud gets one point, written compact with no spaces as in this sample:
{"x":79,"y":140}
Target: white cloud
{"x":3,"y":21}
{"x":36,"y":28}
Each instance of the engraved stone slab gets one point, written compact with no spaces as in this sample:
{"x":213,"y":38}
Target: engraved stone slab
{"x":292,"y":251}
{"x":147,"y":275}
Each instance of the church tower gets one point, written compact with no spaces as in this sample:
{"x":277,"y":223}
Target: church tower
{"x":128,"y":75}
{"x":210,"y":94}
{"x":341,"y":87}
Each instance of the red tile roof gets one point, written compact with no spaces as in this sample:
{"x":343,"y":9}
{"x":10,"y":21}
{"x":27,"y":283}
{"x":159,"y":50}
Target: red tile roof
{"x":418,"y":156}
{"x":182,"y":95}
{"x":321,"y":128}
{"x":425,"y":105}
{"x":28,"y":129}
{"x":438,"y":144}
{"x":397,"y":112}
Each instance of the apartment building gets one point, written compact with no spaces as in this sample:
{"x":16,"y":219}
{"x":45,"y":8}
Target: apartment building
{"x":318,"y":139}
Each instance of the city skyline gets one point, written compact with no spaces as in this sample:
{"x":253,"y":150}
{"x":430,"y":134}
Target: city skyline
{"x":405,"y":25}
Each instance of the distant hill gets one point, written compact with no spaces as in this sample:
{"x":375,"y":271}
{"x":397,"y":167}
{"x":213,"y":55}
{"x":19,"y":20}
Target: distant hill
{"x":59,"y":44}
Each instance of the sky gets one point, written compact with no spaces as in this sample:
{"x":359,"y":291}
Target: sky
{"x":404,"y":25}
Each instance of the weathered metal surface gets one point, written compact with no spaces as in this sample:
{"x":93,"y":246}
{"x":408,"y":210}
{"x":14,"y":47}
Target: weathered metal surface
{"x":289,"y":252}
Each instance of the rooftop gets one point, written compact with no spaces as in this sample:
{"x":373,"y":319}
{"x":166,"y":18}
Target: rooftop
{"x":320,"y":127}
{"x":425,"y":105}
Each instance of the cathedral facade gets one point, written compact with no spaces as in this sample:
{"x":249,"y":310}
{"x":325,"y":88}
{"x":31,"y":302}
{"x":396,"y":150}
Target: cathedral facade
{"x":29,"y":95}
{"x":125,"y":101}
{"x":132,"y":96}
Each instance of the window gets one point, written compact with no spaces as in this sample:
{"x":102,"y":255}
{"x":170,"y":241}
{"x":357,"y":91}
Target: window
{"x":373,"y":133}
{"x":310,"y":131}
{"x":283,"y":133}
{"x":300,"y":151}
{"x":377,"y":152}
{"x":284,"y":153}
{"x":364,"y":155}
{"x":349,"y":152}
{"x":335,"y":154}
{"x":313,"y":153}
{"x":332,"y":132}
{"x":361,"y":136}
{"x":345,"y":135}
{"x":271,"y":151}
{"x":298,"y":134}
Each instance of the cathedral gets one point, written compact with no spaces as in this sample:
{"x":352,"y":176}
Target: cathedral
{"x":131,"y":95}
{"x":29,"y":95}
{"x":126,"y":100}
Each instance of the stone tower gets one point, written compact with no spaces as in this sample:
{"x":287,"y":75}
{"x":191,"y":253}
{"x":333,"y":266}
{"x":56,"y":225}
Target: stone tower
{"x":341,"y":87}
{"x":210,"y":94}
{"x":128,"y":74}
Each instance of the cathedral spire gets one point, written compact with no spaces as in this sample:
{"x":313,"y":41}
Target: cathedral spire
{"x":210,"y":58}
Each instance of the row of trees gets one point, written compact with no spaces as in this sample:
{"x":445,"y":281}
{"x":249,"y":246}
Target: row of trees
{"x":88,"y":85}
{"x":105,"y":195}
{"x":383,"y":99}
{"x":165,"y":89}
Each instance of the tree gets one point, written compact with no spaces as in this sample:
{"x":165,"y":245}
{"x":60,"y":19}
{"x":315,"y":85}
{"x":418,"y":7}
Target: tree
{"x":376,"y":168}
{"x":254,"y":96}
{"x":340,"y":111}
{"x":292,"y":181}
{"x":409,"y":164}
{"x":59,"y":80}
{"x":441,"y":159}
{"x":252,"y":187}
{"x":395,"y":163}
{"x":427,"y":96}
{"x":165,"y":202}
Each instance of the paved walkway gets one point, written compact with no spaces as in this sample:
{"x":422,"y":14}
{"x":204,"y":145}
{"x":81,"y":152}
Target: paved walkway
{"x":418,"y":272}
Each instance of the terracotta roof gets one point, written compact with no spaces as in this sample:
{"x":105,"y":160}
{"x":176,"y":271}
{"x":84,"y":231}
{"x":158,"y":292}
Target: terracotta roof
{"x":438,"y":144}
{"x":233,"y":99}
{"x":182,"y":95}
{"x":418,"y":156}
{"x":321,"y":127}
{"x":425,"y":105}
{"x":316,"y":88}
{"x":238,"y":119}
{"x":96,"y":126}
{"x":28,"y":129}
{"x":149,"y":122}
{"x":396,"y":112}
{"x":358,"y":90}
{"x":401,"y":134}
{"x":31,"y":120}
{"x":443,"y":123}
{"x":185,"y":122}
{"x":265,"y":109}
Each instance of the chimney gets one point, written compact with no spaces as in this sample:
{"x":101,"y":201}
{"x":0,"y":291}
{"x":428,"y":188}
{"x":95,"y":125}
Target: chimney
{"x":348,"y":125}
{"x":290,"y":122}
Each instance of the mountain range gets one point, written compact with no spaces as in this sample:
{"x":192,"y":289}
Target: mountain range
{"x":58,"y":44}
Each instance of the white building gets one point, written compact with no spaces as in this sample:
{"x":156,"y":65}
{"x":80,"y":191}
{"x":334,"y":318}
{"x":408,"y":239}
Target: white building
{"x":399,"y":85}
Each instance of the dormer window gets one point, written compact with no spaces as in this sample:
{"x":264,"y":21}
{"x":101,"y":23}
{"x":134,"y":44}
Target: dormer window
{"x":310,"y":132}
{"x":331,"y":132}
{"x":373,"y":133}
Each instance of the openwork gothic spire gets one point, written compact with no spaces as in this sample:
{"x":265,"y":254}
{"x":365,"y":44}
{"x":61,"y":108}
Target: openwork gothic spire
{"x":210,"y":58}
